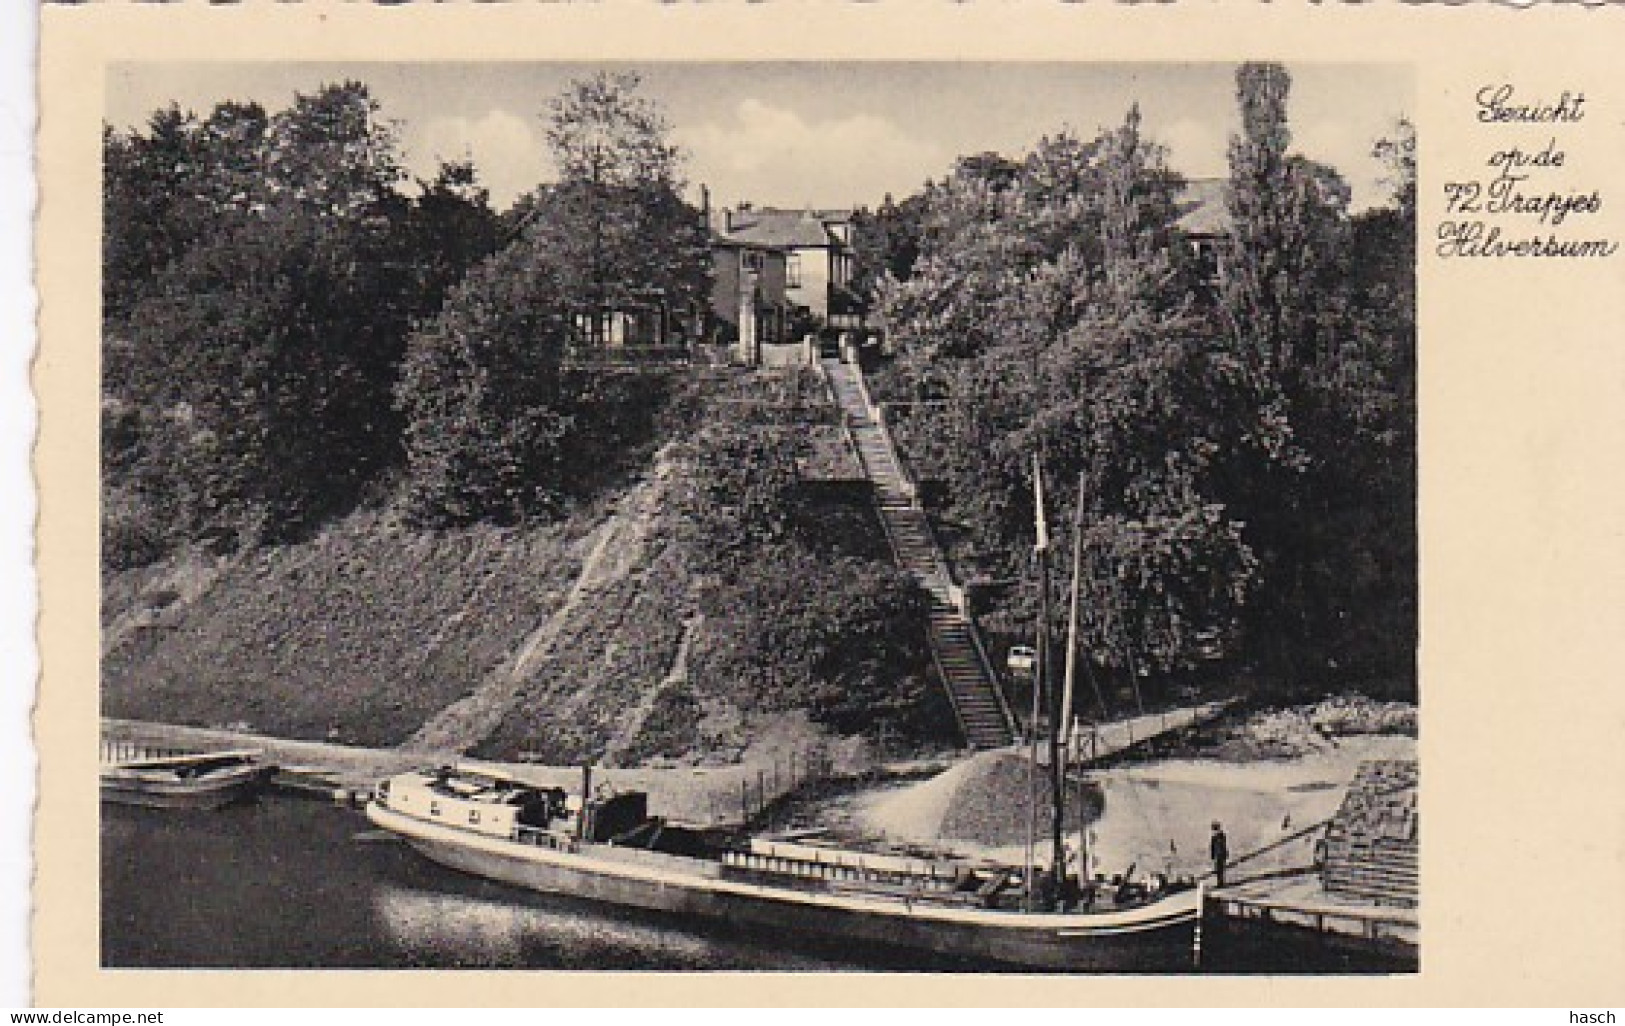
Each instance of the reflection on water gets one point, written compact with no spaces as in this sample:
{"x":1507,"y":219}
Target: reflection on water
{"x":299,"y":884}
{"x":515,"y":928}
{"x":438,"y":928}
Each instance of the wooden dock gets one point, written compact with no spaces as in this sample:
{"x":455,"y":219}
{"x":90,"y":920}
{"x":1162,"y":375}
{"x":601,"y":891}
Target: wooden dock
{"x":1097,"y":742}
{"x":1302,"y":901}
{"x":1360,"y":904}
{"x":729,"y":795}
{"x":1296,"y":912}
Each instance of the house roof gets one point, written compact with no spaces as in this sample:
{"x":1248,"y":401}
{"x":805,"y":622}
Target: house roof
{"x":795,"y":229}
{"x":720,"y":240}
{"x":1202,"y":209}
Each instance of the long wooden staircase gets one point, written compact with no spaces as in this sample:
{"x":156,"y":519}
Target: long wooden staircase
{"x":979,"y":704}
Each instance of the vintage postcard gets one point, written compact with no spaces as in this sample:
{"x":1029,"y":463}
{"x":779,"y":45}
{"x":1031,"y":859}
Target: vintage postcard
{"x":995,"y":504}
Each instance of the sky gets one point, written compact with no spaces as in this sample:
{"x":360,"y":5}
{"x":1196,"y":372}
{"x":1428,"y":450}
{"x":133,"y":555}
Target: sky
{"x":826,"y":134}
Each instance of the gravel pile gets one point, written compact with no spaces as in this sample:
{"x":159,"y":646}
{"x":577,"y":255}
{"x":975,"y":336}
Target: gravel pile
{"x":984,"y":800}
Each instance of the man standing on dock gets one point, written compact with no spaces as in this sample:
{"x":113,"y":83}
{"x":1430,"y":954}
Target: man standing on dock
{"x":1219,"y":848}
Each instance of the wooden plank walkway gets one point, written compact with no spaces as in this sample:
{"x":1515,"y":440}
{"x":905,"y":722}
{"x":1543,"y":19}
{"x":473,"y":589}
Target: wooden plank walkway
{"x":973,"y":689}
{"x":1104,"y":740}
{"x":1100,"y":741}
{"x":1301,"y":901}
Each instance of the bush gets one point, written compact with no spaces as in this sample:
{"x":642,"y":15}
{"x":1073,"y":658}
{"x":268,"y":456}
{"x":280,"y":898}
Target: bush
{"x":844,"y":639}
{"x":480,"y":393}
{"x":132,"y":535}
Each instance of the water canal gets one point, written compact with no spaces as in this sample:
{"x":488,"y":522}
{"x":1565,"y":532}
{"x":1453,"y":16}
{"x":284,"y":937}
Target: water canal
{"x":290,"y":883}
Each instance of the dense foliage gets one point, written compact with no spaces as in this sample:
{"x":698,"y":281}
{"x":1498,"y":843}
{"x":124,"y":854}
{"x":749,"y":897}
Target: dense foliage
{"x":496,"y":425}
{"x":480,"y":391}
{"x":841,"y":638}
{"x":793,"y":615}
{"x":1229,"y":433}
{"x":261,"y":274}
{"x":287,"y":322}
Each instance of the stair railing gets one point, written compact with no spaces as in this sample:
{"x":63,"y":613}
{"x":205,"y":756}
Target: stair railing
{"x":857,"y":455}
{"x":938,"y":562}
{"x":993,"y":679}
{"x":948,"y":686}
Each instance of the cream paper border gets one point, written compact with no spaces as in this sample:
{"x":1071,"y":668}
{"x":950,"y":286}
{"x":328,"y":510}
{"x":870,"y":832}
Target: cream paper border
{"x":1522,"y":398}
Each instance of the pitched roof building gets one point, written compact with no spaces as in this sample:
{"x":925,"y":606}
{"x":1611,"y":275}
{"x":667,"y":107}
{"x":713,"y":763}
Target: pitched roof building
{"x":817,"y":247}
{"x":1202,"y":209}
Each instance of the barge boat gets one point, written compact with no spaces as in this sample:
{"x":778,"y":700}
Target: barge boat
{"x":607,"y":848}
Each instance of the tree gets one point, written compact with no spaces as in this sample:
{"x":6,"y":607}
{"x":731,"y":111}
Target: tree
{"x":452,"y":228}
{"x":164,"y":189}
{"x":1168,"y":565}
{"x":601,"y":130}
{"x":333,"y":154}
{"x":1398,"y":155}
{"x":252,"y":343}
{"x":971,"y":258}
{"x":496,"y":428}
{"x":1317,"y":368}
{"x":1247,"y":477}
{"x":886,"y":242}
{"x":480,"y":395}
{"x":248,"y":407}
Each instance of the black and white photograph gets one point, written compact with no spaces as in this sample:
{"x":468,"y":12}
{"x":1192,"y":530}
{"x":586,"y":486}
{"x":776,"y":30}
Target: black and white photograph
{"x":822,"y":516}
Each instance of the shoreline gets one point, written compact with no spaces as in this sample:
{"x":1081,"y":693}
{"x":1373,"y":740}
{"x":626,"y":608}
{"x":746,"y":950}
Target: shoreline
{"x":699,"y":795}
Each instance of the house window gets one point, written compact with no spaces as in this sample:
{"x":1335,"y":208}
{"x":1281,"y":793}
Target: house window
{"x":473,"y":815}
{"x":752,"y":260}
{"x":792,"y":271}
{"x":434,"y":808}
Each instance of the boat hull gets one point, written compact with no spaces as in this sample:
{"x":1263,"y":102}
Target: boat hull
{"x":1155,"y":938}
{"x":134,"y":787}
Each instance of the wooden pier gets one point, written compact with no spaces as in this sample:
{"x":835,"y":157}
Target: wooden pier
{"x":1358,"y":908}
{"x":731,"y":795}
{"x":1272,"y":910}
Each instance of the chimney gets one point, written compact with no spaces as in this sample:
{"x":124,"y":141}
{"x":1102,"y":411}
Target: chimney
{"x":583,"y":826}
{"x":705,"y":206}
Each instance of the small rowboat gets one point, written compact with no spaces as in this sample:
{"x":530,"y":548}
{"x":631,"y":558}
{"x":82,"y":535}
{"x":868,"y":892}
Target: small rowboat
{"x":206,"y":781}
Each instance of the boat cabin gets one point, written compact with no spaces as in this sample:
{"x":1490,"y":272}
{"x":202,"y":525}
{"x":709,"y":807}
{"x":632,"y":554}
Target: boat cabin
{"x":501,"y":807}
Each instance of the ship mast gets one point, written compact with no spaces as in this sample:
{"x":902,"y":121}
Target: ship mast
{"x":1040,"y":666}
{"x":1057,"y":723}
{"x":1044,"y":685}
{"x":1068,"y":693}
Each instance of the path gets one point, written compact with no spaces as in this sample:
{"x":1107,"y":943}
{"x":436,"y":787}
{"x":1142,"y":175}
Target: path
{"x":979,"y":705}
{"x":1107,"y":739}
{"x":632,"y":724}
